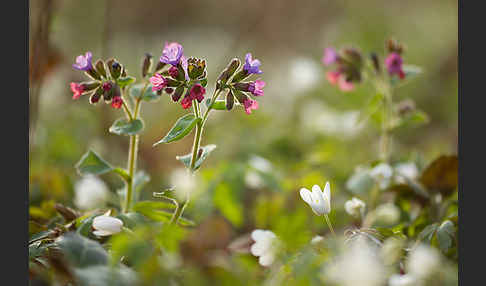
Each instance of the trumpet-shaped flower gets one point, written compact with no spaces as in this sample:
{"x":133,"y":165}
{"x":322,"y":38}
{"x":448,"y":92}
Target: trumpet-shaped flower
{"x":264,"y":246}
{"x":83,"y":63}
{"x":354,"y":206}
{"x":172,"y":53}
{"x":105,"y":225}
{"x":77,"y":90}
{"x":319,"y":201}
{"x":330,"y":56}
{"x":158,"y":82}
{"x":252,"y":66}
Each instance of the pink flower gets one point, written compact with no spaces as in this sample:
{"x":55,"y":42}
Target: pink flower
{"x":330,"y":56}
{"x":186,"y":102}
{"x":345,"y":85}
{"x":256,"y":88}
{"x":173,"y":72}
{"x":116,"y":102}
{"x":250,"y":104}
{"x":333,"y":76}
{"x":77,"y":90}
{"x":158,"y":82}
{"x":172,"y":53}
{"x":394,"y":64}
{"x":197,"y":92}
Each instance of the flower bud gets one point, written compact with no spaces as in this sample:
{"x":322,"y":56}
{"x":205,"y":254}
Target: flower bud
{"x":96,"y":95}
{"x":169,"y":90}
{"x":230,"y":100}
{"x":241,"y":97}
{"x":173,"y":72}
{"x":392,"y":46}
{"x":90,"y":85}
{"x":228,"y":71}
{"x":376,"y":63}
{"x":195,"y":67}
{"x":146,"y":64}
{"x":107,"y":90}
{"x":115,"y":68}
{"x":177,"y":93}
{"x":405,"y":107}
{"x":100,"y":67}
{"x":93,"y":74}
{"x":353,"y":56}
{"x":242,"y":86}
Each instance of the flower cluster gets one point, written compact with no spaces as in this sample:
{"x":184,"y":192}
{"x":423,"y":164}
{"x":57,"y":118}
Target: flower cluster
{"x":184,"y":76}
{"x":238,"y":89}
{"x":107,"y":78}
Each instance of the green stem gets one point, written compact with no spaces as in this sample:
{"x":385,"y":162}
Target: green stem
{"x":178,"y":212}
{"x":329,"y":224}
{"x":386,"y":139}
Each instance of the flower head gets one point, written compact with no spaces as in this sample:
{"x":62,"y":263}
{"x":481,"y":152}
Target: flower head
{"x":252,"y":66}
{"x":83,"y":63}
{"x":90,"y":192}
{"x":158,"y":82}
{"x":249,"y":105}
{"x":319,"y":201}
{"x":406,"y":171}
{"x":173,"y":72}
{"x":387,"y":213}
{"x":394,"y":64}
{"x":105,"y":225}
{"x":423,"y":261}
{"x":172,"y":53}
{"x":197,"y":92}
{"x":354,"y":206}
{"x":186,"y":102}
{"x":344,"y":84}
{"x":382,"y":174}
{"x":330,"y":56}
{"x":77,"y":90}
{"x":117,"y":102}
{"x":256,"y":87}
{"x":264,"y":246}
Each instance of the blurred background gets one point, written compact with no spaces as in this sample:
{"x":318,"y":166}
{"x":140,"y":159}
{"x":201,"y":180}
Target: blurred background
{"x":305,"y":131}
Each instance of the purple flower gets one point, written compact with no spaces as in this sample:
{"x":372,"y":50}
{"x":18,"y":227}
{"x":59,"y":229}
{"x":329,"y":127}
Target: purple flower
{"x":256,"y":88}
{"x":197,"y":92}
{"x":184,"y":65}
{"x":330,"y":56}
{"x":158,"y":82}
{"x":393,"y":64}
{"x":172,"y":53}
{"x":250,"y":104}
{"x":252,"y":66}
{"x":83,"y":63}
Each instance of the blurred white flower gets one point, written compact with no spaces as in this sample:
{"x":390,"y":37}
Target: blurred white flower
{"x":106,"y":225}
{"x":402,"y":280}
{"x":183,"y":182}
{"x":260,"y":164}
{"x":319,"y":201}
{"x":408,"y":170}
{"x":423,"y":261}
{"x":357,"y":265}
{"x":387,"y":213}
{"x":253,"y":180}
{"x":304,"y":74}
{"x":264,"y":246}
{"x":355,"y":207}
{"x":317,"y":239}
{"x":382,"y":174}
{"x":90,"y":192}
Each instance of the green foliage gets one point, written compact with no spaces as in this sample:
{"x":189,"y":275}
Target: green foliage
{"x":92,"y":163}
{"x":81,"y":251}
{"x":186,"y":159}
{"x":123,"y":126}
{"x":181,"y":128}
{"x":148,"y":95}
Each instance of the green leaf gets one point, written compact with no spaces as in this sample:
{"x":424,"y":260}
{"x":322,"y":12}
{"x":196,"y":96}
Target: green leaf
{"x":415,"y":118}
{"x":229,"y":205}
{"x":123,"y":126}
{"x":428,"y":232}
{"x":82,"y":251}
{"x":154,"y":210}
{"x":217,"y":105}
{"x":125,"y":81}
{"x":92,"y":163}
{"x":105,"y":275}
{"x":445,"y":234}
{"x":182,"y":127}
{"x":186,"y":159}
{"x":148,"y":95}
{"x":372,"y":107}
{"x":441,"y":175}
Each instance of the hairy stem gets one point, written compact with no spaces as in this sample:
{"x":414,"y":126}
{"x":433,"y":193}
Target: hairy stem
{"x":328,"y":221}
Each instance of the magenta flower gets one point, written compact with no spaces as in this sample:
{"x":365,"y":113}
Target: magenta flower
{"x":330,"y":56}
{"x":172,"y":53}
{"x":333,"y":76}
{"x":197,"y":92}
{"x":83,"y":63}
{"x":106,"y":86}
{"x":186,"y":102}
{"x":252,"y":66}
{"x":256,"y":88}
{"x":345,"y":85}
{"x":173,"y":72}
{"x":158,"y":82}
{"x":250,"y":104}
{"x":117,"y":102}
{"x":394,"y":64}
{"x":77,"y":90}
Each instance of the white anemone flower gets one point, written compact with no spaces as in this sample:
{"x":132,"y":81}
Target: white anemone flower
{"x":423,"y":261}
{"x":319,"y":201}
{"x":106,"y":225}
{"x":317,"y":239}
{"x":406,"y":170}
{"x":354,"y":207}
{"x":264,"y":246}
{"x":387,"y":213}
{"x":90,"y":192}
{"x":382,"y":174}
{"x":402,"y":280}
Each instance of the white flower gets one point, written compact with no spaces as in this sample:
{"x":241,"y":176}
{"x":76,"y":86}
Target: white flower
{"x":319,"y":201}
{"x":264,"y":246}
{"x":317,"y":239}
{"x":260,"y":164}
{"x":423,"y":261}
{"x":382,"y":174}
{"x":183,"y":182}
{"x":402,"y":280}
{"x":253,"y":180}
{"x":358,"y":265}
{"x":406,"y":170}
{"x":354,"y":206}
{"x":90,"y":192}
{"x":106,"y":225}
{"x":387,"y":213}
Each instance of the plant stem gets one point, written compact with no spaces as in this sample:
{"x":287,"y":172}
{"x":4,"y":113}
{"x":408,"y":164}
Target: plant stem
{"x":386,"y":139}
{"x":329,"y":224}
{"x":178,"y":212}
